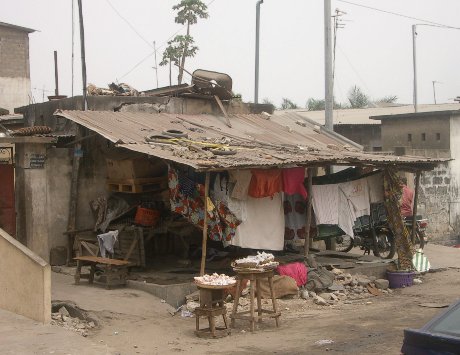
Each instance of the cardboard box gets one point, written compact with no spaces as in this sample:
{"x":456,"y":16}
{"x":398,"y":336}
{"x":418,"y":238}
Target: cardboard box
{"x":134,"y":169}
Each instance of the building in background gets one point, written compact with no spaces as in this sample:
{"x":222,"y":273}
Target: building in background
{"x":436,"y":135}
{"x":15,"y":88}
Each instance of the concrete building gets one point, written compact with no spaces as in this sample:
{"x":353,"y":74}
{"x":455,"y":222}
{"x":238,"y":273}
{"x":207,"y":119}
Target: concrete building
{"x":431,"y":134}
{"x":15,"y":88}
{"x":356,"y":125}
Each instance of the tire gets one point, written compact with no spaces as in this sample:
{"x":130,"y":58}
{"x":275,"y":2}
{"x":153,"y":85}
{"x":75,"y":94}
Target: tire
{"x":344,"y":243}
{"x":386,"y":246}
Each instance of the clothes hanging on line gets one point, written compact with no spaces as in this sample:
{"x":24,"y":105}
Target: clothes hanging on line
{"x":241,"y":180}
{"x":295,"y":218}
{"x":263,"y":227}
{"x":265,"y":183}
{"x":293,"y":181}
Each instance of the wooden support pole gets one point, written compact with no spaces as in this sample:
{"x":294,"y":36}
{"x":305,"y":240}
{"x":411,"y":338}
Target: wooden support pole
{"x":205,"y":225}
{"x":310,"y":172}
{"x":414,"y":208}
{"x":71,"y":224}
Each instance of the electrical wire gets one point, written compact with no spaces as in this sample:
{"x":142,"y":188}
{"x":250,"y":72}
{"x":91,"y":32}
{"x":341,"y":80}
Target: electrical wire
{"x":157,"y":48}
{"x":437,"y":24}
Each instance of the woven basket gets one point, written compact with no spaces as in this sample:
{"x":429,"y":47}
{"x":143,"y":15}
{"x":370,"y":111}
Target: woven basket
{"x":400,"y":279}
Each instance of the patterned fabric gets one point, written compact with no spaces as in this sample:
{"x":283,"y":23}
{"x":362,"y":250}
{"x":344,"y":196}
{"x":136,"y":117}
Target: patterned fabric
{"x":222,"y":222}
{"x":393,"y":191}
{"x":295,"y":217}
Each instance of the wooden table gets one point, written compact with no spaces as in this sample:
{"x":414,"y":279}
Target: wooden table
{"x":254,"y":277}
{"x":115,"y":271}
{"x":211,"y":305}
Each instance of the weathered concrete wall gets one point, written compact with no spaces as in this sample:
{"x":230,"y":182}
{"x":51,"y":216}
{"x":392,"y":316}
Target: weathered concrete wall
{"x":435,"y":202}
{"x":14,"y":68}
{"x":395,"y":133}
{"x":58,"y":170}
{"x":367,"y":135}
{"x":25,"y":280}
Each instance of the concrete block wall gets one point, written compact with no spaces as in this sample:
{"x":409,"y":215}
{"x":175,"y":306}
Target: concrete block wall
{"x":14,"y":68}
{"x":25,"y":280}
{"x":436,"y":198}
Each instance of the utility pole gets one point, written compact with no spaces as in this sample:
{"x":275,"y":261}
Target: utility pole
{"x":414,"y":58}
{"x":328,"y":66}
{"x":56,"y":75}
{"x":73,"y":40}
{"x":156,"y":65}
{"x":256,"y":84}
{"x":83,"y":60}
{"x":434,"y":90}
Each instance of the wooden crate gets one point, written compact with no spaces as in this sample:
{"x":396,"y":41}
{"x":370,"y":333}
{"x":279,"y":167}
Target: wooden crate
{"x":136,"y":168}
{"x":138,"y":185}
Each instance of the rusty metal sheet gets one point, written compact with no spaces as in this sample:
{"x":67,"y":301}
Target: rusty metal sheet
{"x":257,"y":140}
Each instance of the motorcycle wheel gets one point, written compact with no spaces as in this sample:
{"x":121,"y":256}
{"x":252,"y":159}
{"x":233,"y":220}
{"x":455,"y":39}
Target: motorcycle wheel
{"x":344,"y":243}
{"x":386,"y":247}
{"x":419,"y":240}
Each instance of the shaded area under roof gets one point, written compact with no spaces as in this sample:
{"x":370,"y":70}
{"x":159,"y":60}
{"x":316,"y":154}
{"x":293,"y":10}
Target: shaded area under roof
{"x":257,"y":140}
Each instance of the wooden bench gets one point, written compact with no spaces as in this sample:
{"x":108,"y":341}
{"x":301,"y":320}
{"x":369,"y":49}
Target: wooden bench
{"x":115,"y":271}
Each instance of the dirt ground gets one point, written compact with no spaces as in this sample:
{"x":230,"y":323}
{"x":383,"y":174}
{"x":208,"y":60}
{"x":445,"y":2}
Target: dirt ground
{"x":134,"y":322}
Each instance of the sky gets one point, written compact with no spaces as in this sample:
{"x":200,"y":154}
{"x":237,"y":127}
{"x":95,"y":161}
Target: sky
{"x":373,"y":51}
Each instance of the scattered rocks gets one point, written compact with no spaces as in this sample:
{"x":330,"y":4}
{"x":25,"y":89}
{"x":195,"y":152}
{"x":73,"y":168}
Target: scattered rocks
{"x":74,"y":324}
{"x":320,"y":301}
{"x":382,"y":284}
{"x":304,"y":294}
{"x":326,"y":296}
{"x":363,"y":281}
{"x":64,"y":312}
{"x":417,"y":281}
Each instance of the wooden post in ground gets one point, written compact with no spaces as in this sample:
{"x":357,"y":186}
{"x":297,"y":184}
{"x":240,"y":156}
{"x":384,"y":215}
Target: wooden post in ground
{"x":310,"y":172}
{"x":205,"y":225}
{"x":414,"y":208}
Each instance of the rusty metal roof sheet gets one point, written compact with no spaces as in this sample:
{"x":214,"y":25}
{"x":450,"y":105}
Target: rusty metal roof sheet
{"x":257,"y":140}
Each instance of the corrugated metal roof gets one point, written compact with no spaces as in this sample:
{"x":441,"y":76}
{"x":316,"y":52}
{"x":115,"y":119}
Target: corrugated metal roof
{"x":258,"y":141}
{"x":361,"y":116}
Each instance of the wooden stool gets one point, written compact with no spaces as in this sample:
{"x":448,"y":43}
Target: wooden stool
{"x":115,"y":271}
{"x":211,"y":305}
{"x":254,"y":277}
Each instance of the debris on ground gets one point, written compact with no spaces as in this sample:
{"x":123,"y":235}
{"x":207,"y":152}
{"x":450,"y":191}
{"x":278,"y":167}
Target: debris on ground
{"x":63,"y":319}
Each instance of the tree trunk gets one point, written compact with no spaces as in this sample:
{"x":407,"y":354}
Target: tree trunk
{"x":170,"y":81}
{"x":182,"y":61}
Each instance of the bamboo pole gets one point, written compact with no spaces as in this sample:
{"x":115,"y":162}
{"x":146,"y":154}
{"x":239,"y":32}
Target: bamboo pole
{"x":310,"y":172}
{"x":205,"y":225}
{"x":414,"y":208}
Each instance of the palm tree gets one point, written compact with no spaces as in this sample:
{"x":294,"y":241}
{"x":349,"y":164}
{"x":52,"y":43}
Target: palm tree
{"x":188,"y":12}
{"x":178,"y":47}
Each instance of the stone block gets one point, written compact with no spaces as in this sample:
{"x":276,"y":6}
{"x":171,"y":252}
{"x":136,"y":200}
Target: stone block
{"x":58,"y":256}
{"x":446,"y":180}
{"x":438,"y":180}
{"x":382,"y":284}
{"x":441,"y":190}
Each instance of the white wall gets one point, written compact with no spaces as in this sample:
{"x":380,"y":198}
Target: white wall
{"x":14,"y":92}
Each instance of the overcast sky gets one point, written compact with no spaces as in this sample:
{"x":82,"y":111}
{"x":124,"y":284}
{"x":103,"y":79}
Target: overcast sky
{"x":374,"y":50}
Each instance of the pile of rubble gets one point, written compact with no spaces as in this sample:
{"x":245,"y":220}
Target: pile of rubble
{"x":348,"y":288}
{"x":63,"y":319}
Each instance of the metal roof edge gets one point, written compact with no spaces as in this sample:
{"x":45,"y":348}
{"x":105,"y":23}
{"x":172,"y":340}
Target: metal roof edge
{"x":415,"y":114}
{"x":16,"y":27}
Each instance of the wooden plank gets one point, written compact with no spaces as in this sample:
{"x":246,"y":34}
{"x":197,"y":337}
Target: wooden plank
{"x":205,"y":225}
{"x":100,"y":260}
{"x":306,"y":247}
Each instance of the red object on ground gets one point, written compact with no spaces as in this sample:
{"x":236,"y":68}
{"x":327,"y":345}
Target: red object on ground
{"x":146,"y":217}
{"x":298,"y":271}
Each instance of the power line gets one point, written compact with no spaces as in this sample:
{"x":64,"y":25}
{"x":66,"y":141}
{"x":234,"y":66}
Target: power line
{"x":128,"y":23}
{"x":400,"y":15}
{"x":155,"y":49}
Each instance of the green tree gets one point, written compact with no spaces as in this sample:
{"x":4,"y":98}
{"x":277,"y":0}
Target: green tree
{"x":319,"y":105}
{"x":188,"y":12}
{"x":287,"y":104}
{"x":178,"y":47}
{"x":267,"y":101}
{"x":389,"y":99}
{"x":357,"y":98}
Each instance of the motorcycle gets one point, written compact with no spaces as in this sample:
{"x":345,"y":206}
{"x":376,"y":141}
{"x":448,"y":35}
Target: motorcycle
{"x":421,"y":224}
{"x":371,"y":233}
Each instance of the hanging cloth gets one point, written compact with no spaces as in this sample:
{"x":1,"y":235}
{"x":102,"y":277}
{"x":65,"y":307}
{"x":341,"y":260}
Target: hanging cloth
{"x":265,"y":183}
{"x":293,"y":181}
{"x":242,"y":179}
